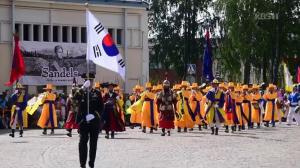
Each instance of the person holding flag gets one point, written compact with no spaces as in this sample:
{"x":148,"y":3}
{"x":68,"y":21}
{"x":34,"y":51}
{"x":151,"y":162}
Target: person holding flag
{"x":88,"y":118}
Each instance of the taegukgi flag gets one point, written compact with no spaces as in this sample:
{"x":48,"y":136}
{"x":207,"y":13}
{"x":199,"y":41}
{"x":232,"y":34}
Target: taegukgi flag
{"x":101,"y":48}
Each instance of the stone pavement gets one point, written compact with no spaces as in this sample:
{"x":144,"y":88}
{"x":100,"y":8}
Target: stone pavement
{"x":267,"y":147}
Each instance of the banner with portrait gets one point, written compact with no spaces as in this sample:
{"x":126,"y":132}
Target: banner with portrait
{"x":55,"y":63}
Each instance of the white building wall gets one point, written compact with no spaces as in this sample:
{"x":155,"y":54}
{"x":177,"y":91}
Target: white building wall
{"x":68,"y":14}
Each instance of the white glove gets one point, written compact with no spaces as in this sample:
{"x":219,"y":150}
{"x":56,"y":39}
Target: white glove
{"x":89,"y":117}
{"x":86,"y":84}
{"x":17,"y":108}
{"x":16,"y":92}
{"x":216,"y":106}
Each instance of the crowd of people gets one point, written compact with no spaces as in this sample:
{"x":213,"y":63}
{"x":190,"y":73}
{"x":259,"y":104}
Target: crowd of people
{"x":234,"y":105}
{"x":96,"y":107}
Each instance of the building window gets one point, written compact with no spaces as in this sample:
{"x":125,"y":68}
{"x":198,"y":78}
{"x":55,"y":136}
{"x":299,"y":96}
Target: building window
{"x":83,"y":35}
{"x":119,"y":36}
{"x":26,"y":28}
{"x":55,"y":34}
{"x":65,"y":34}
{"x":36,"y":32}
{"x":46,"y":32}
{"x":17,"y":28}
{"x":111,"y":32}
{"x":74,"y":34}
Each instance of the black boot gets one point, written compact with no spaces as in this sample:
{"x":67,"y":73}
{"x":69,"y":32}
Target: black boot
{"x":267,"y":124}
{"x":178,"y":129}
{"x":185,"y":129}
{"x":240,"y":128}
{"x":151,"y":130}
{"x":273,"y":124}
{"x":169,"y":133}
{"x":69,"y":134}
{"x":217,"y":130}
{"x":144,"y":130}
{"x":112,"y":134}
{"x":243,"y":127}
{"x":107,"y":135}
{"x":52,"y":131}
{"x":45,"y":131}
{"x":258,"y":125}
{"x":205,"y":126}
{"x":226,"y":129}
{"x":21,"y":133}
{"x":163,"y":132}
{"x":191,"y":129}
{"x":199,"y":126}
{"x":232,"y":129}
{"x":12,"y":134}
{"x":212,"y":130}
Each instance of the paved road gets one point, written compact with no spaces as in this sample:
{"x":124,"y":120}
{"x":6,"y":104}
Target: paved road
{"x":268,"y":147}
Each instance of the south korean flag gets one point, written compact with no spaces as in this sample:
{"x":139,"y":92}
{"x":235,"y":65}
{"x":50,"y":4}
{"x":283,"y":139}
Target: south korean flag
{"x":101,"y":48}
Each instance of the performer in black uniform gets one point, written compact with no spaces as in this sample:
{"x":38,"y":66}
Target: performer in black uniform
{"x":112,"y":114}
{"x":89,"y":122}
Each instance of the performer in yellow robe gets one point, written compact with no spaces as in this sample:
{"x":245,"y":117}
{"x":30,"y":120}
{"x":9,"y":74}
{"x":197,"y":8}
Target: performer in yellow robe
{"x":195,"y":104}
{"x":203,"y":105}
{"x":271,"y":114}
{"x":214,"y":111}
{"x":188,"y":118}
{"x":149,"y":118}
{"x":19,"y":115}
{"x":255,"y":100}
{"x":239,"y":108}
{"x":247,"y":106}
{"x":117,"y":90}
{"x":48,"y":116}
{"x":230,"y":109}
{"x":136,"y":115}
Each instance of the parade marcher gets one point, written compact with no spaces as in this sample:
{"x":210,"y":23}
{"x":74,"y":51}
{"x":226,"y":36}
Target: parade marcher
{"x":280,"y":104}
{"x":166,"y":104}
{"x":19,"y":101}
{"x":214,"y":110}
{"x":247,"y":105}
{"x":271,"y":109}
{"x":203,"y":104}
{"x":188,"y":119}
{"x":72,"y":109}
{"x":255,"y":101}
{"x":112,"y":114}
{"x":149,"y":118}
{"x":88,"y":119}
{"x":239,"y":108}
{"x":117,"y":90}
{"x":230,"y":109}
{"x":195,"y":104}
{"x":48,"y":116}
{"x":294,"y":104}
{"x":135,"y":118}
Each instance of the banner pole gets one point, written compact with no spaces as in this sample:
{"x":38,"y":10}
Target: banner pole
{"x":87,"y":63}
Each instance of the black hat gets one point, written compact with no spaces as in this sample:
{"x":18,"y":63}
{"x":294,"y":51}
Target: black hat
{"x":107,"y":84}
{"x":88,"y":76}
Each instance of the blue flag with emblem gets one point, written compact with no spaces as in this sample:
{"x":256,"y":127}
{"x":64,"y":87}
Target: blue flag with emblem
{"x":207,"y":60}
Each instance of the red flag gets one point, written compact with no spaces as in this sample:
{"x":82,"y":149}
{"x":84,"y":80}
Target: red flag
{"x":298,"y":75}
{"x":18,"y":65}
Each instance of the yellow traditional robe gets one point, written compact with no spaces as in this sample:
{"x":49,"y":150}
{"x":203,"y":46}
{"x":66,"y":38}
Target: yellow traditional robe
{"x":271,"y":113}
{"x":148,"y":99}
{"x":44,"y":120}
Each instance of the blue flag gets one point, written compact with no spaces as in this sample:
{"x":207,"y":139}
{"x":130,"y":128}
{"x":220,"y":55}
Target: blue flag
{"x":207,"y":60}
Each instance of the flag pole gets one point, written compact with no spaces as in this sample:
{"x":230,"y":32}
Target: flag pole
{"x":87,"y":63}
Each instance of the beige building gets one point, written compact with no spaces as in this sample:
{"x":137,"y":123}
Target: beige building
{"x":45,"y":23}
